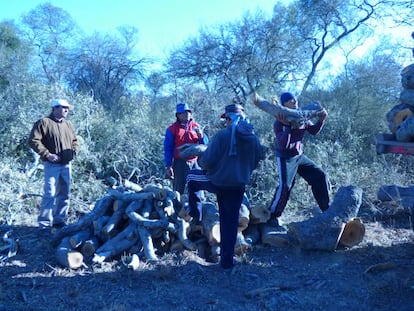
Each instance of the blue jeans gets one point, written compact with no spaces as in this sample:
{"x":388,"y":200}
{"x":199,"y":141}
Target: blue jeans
{"x":55,"y":201}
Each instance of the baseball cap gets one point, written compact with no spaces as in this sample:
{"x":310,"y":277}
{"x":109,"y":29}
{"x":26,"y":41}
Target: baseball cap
{"x":61,"y":102}
{"x":181,"y":107}
{"x":232,"y":108}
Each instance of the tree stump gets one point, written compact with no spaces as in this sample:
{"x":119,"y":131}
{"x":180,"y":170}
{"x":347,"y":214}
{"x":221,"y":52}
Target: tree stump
{"x":323,"y":232}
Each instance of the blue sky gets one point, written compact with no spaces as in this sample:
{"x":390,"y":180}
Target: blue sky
{"x":161,"y":23}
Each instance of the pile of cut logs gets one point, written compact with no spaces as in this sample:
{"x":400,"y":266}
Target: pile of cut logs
{"x":147,"y":222}
{"x":400,"y":118}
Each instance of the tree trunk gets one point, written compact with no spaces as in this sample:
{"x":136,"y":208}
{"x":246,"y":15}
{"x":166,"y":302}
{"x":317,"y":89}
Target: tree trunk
{"x":323,"y":231}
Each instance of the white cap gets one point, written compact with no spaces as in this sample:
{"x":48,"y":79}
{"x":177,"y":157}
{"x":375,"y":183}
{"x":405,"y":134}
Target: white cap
{"x":61,"y":102}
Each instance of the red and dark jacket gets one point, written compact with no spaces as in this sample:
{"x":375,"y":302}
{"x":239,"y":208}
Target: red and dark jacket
{"x":178,"y":134}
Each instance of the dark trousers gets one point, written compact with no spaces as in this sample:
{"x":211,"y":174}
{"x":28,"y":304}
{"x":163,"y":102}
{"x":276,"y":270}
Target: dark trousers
{"x":229,"y":201}
{"x":181,"y":168}
{"x":308,"y":170}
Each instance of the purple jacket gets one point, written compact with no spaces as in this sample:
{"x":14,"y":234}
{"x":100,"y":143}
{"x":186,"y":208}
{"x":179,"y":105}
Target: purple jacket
{"x":289,"y":140}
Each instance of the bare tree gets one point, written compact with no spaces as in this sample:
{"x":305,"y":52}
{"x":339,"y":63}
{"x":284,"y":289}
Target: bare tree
{"x":51,"y":31}
{"x":259,"y":53}
{"x":103,"y":66}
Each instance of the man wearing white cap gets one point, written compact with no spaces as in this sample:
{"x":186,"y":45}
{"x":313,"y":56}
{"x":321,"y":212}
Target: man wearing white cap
{"x":54,"y":139}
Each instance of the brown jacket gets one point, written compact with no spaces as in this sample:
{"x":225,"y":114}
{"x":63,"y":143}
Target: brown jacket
{"x":51,"y":136}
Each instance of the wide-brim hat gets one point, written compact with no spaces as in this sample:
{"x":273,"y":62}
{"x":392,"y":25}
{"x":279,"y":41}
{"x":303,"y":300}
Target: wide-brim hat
{"x":61,"y":103}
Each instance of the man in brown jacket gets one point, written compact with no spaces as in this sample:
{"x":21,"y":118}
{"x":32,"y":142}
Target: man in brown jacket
{"x":54,"y":139}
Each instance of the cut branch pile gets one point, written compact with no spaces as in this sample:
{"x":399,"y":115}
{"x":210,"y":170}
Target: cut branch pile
{"x":150,"y":221}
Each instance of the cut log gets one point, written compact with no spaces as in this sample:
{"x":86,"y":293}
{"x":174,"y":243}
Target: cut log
{"x":68,"y":257}
{"x":100,"y":208}
{"x":323,"y":231}
{"x":394,"y":193}
{"x":391,"y":116}
{"x":130,"y":196}
{"x":211,"y":223}
{"x":296,"y":116}
{"x":407,"y":97}
{"x":259,"y":214}
{"x":168,"y":203}
{"x":147,"y":243}
{"x":98,"y":224}
{"x":78,"y":238}
{"x":405,"y":131}
{"x":187,"y":151}
{"x":115,"y":246}
{"x":132,"y":186}
{"x":115,"y":218}
{"x":183,"y":229}
{"x":158,"y":191}
{"x":407,"y":77}
{"x":89,"y":247}
{"x":244,"y":218}
{"x":401,"y":116}
{"x":151,"y":223}
{"x":353,"y":233}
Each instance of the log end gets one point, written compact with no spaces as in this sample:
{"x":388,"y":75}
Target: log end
{"x":214,"y":234}
{"x":353,"y":233}
{"x":70,"y":259}
{"x":259,"y":214}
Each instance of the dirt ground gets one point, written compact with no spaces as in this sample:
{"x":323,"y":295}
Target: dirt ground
{"x":377,"y":274}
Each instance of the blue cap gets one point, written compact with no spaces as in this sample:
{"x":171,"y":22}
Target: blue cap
{"x":286,"y":97}
{"x":181,"y":107}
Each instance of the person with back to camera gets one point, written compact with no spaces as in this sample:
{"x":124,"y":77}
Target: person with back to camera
{"x":54,"y":139}
{"x":183,"y":131}
{"x":227,"y":163}
{"x":291,"y":160}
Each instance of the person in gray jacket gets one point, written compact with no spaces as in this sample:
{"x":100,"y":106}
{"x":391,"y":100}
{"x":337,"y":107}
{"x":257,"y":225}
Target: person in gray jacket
{"x":54,"y":139}
{"x":227,"y":164}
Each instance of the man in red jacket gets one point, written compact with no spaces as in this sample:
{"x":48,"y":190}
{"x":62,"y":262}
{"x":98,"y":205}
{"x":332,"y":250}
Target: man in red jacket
{"x":183,"y":131}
